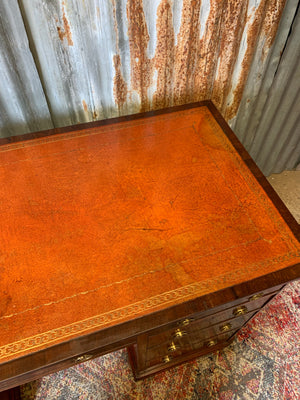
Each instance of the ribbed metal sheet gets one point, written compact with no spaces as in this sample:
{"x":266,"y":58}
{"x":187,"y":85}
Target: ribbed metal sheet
{"x":277,"y":140}
{"x":268,"y":121}
{"x":23,"y":106}
{"x":99,"y":59}
{"x":96,"y":59}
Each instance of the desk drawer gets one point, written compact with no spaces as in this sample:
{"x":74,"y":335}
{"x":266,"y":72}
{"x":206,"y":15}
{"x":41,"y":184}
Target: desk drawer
{"x":195,"y":335}
{"x":163,"y":356}
{"x":214,"y":322}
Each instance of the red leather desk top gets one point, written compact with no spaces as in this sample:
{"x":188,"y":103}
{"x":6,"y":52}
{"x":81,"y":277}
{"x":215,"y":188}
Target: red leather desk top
{"x":102,"y":225}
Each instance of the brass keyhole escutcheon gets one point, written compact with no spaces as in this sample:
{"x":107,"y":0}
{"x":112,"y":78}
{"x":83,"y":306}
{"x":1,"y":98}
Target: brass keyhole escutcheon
{"x":186,"y":321}
{"x":256,"y":296}
{"x":211,"y":343}
{"x":167,"y":359}
{"x":179,"y":334}
{"x":83,"y":358}
{"x":225,"y":327}
{"x":240,"y":311}
{"x":172,"y":347}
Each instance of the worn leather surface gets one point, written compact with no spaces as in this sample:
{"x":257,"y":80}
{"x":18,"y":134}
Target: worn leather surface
{"x":102,"y":225}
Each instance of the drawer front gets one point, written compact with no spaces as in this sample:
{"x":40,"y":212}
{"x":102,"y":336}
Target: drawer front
{"x":163,"y":356}
{"x":257,"y":299}
{"x":212,"y":323}
{"x":195,"y":334}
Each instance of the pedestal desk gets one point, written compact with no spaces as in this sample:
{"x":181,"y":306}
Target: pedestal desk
{"x":154,"y":232}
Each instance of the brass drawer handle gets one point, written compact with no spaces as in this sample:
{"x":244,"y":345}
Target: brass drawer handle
{"x":173,"y":347}
{"x":225,"y":327}
{"x":167,"y":359}
{"x":81,"y":359}
{"x":179,"y":334}
{"x":240,"y":311}
{"x":211,"y":343}
{"x":186,"y":321}
{"x":256,"y":296}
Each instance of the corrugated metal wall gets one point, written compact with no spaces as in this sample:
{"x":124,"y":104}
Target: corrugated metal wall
{"x":64,"y":62}
{"x":268,"y":120}
{"x":23,"y":107}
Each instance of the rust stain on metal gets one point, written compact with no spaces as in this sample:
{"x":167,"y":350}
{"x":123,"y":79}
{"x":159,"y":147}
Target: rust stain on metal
{"x":233,"y":22}
{"x":252,"y":38}
{"x":186,"y":52}
{"x":85,"y":107}
{"x":141,"y":66}
{"x":66,"y":31}
{"x":266,"y":20}
{"x":198,"y":67}
{"x":120,"y":86}
{"x":271,"y":20}
{"x":164,"y":58}
{"x":207,"y":56}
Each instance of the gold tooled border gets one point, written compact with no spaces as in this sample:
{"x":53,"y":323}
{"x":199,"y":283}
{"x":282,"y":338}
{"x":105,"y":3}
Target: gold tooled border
{"x":253,"y":185}
{"x":102,"y":320}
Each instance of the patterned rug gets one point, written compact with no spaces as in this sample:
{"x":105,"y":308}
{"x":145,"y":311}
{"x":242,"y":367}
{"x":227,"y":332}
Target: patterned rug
{"x":262,"y":363}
